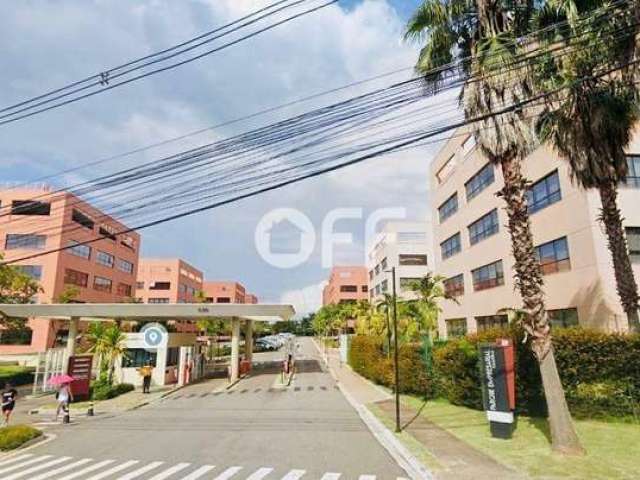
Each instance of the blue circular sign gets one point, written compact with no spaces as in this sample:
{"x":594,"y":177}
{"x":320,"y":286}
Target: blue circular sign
{"x":154,"y":335}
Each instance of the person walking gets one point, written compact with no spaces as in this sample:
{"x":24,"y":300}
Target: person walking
{"x":146,"y":371}
{"x":64,"y":397}
{"x":9,"y":395}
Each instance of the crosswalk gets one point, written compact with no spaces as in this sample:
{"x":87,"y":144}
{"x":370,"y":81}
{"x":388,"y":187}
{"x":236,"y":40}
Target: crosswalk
{"x":296,"y":389}
{"x":49,"y":467}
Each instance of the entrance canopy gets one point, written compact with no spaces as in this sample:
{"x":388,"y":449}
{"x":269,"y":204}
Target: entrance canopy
{"x":146,"y":311}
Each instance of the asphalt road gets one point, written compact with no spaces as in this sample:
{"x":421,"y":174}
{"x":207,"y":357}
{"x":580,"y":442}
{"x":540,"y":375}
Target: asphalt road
{"x":253,"y":431}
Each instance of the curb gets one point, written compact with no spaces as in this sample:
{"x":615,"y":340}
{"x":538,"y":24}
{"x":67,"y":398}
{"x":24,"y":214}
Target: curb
{"x":36,"y":442}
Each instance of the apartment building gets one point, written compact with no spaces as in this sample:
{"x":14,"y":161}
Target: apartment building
{"x":474,"y":249}
{"x":407,"y":246}
{"x":346,"y":284}
{"x":36,"y":220}
{"x":226,"y":292}
{"x":250,"y":298}
{"x":167,"y":280}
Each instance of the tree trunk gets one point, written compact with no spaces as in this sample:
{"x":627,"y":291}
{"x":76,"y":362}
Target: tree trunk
{"x":528,"y":280}
{"x":388,"y":335}
{"x":625,"y":281}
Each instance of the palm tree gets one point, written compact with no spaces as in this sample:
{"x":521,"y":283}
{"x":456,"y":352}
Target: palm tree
{"x":591,"y":123}
{"x":429,"y":292}
{"x":486,"y":32}
{"x":385,"y":305}
{"x":108,"y":343}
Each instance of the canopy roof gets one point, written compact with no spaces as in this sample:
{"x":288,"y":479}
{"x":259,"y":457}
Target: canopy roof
{"x":146,"y":311}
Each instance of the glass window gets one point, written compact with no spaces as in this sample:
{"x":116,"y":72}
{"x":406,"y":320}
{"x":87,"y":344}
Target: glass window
{"x":448,"y":208}
{"x":383,"y":263}
{"x":633,"y":243}
{"x":456,"y":327}
{"x":105,"y":259}
{"x":30,"y":207}
{"x":160,"y":286}
{"x":84,"y":220}
{"x":173,"y":354}
{"x":412,"y":259}
{"x":384,"y":286}
{"x":446,"y":170}
{"x":365,"y":288}
{"x":26,"y":241}
{"x":484,"y":227}
{"x":223,"y":300}
{"x":554,"y":256}
{"x":491,"y":321}
{"x":124,"y":290}
{"x":370,"y":274}
{"x":129,"y":242}
{"x":74,"y":277}
{"x":83,"y":251}
{"x":16,"y":336}
{"x":468,"y":144}
{"x":124,"y":266}
{"x":158,"y":300}
{"x":139,"y":284}
{"x":488,"y":276}
{"x":563,"y":318}
{"x":481,"y":180}
{"x":107,"y":232}
{"x":377,"y":269}
{"x":633,"y":176}
{"x":102,"y":284}
{"x":348,"y":288}
{"x":454,"y":286}
{"x":138,"y":357}
{"x":450,"y":246}
{"x":34,"y":271}
{"x":544,"y":192}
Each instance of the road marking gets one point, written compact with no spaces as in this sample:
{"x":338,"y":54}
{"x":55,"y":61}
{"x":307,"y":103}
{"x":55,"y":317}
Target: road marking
{"x":140,"y":471}
{"x":367,"y":477}
{"x":24,"y":464}
{"x":44,"y":476}
{"x":37,"y":468}
{"x":16,"y":459}
{"x":170,"y":471}
{"x":260,"y":473}
{"x":228,"y":473}
{"x":331,"y":476}
{"x":87,"y":470}
{"x":198,"y":473}
{"x":294,"y":475}
{"x":116,"y":469}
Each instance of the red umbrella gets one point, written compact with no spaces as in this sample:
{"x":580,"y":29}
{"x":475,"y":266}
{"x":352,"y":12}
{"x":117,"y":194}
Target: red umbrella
{"x":61,"y":379}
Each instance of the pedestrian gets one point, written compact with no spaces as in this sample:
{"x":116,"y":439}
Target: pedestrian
{"x":9,"y":395}
{"x":64,"y":397}
{"x":145,"y":372}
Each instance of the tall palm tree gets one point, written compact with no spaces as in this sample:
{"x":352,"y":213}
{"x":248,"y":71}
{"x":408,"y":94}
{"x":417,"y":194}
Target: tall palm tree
{"x":486,"y":31}
{"x":108,"y":343}
{"x":591,"y":123}
{"x":429,"y":293}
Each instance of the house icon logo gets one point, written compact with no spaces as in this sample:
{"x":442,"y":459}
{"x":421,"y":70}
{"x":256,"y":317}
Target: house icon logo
{"x":285,"y":237}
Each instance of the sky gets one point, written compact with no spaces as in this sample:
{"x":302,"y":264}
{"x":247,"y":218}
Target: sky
{"x":49,"y":44}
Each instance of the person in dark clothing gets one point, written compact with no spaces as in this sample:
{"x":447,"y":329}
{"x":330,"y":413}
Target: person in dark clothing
{"x":9,"y":395}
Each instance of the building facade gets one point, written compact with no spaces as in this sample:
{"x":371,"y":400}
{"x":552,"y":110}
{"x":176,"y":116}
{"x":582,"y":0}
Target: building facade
{"x":407,"y":246}
{"x":346,"y":284}
{"x":226,"y":292}
{"x":37,"y":220}
{"x":473,"y":248}
{"x":167,"y":280}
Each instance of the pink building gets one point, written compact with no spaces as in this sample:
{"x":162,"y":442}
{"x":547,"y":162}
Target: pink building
{"x":250,"y":298}
{"x":346,"y":284}
{"x":36,"y":220}
{"x":167,"y":280}
{"x":225,"y":292}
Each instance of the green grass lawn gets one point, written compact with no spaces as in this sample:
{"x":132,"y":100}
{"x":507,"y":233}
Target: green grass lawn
{"x":613,"y":449}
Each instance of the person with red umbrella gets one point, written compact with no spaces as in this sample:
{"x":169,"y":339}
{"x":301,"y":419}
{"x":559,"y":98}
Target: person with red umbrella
{"x":64,"y":395}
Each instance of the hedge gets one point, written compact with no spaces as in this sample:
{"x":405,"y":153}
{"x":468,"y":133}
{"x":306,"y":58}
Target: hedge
{"x":16,"y":435}
{"x":16,"y":375}
{"x":600,"y":372}
{"x":104,"y":391}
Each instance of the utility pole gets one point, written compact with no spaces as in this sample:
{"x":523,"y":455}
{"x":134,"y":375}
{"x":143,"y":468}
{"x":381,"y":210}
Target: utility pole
{"x":395,"y":352}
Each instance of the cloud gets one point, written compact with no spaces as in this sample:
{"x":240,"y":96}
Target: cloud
{"x":305,"y":300}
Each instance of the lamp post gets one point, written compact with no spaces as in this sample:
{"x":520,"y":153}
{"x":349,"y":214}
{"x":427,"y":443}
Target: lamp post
{"x":395,"y":347}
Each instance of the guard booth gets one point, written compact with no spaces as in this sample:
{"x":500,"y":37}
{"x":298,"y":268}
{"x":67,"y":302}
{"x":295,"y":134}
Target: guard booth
{"x":241,"y":315}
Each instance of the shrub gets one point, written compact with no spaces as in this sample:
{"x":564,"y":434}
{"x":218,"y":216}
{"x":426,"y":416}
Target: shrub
{"x":16,"y":375}
{"x":104,"y":391}
{"x":16,"y":435}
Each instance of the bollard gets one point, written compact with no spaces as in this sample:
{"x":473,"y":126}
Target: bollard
{"x":66,"y":418}
{"x":90,"y":411}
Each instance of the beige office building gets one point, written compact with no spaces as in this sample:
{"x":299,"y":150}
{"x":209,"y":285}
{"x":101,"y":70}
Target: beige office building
{"x":472,"y":245}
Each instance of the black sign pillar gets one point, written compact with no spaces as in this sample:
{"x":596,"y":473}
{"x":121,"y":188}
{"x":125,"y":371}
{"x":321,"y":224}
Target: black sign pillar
{"x":495,"y":389}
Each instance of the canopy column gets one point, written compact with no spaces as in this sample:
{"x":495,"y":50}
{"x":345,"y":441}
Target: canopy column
{"x":235,"y":349}
{"x":74,"y":323}
{"x":248,"y":341}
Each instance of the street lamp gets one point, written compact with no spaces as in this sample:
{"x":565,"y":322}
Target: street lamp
{"x":395,"y":346}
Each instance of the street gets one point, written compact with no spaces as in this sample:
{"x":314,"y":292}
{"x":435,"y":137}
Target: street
{"x":251,"y":431}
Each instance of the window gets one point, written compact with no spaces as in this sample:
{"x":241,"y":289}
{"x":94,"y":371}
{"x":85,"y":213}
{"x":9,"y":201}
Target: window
{"x":140,"y":285}
{"x":554,"y":256}
{"x":365,"y":288}
{"x":124,"y":266}
{"x":83,"y":251}
{"x":446,"y":170}
{"x":34,"y":271}
{"x":129,"y":242}
{"x":450,"y":246}
{"x":107,"y":232}
{"x":407,"y":282}
{"x":124,"y":290}
{"x":84,"y":220}
{"x":563,"y":318}
{"x":370,"y":274}
{"x":456,"y":327}
{"x":377,"y":269}
{"x":383,"y":263}
{"x":384,"y":286}
{"x":489,"y":276}
{"x":158,"y":300}
{"x":448,"y":208}
{"x":105,"y":259}
{"x":223,"y":300}
{"x":101,"y":284}
{"x":30,"y":207}
{"x":544,"y":192}
{"x":345,"y":274}
{"x":481,"y":180}
{"x":491,"y":321}
{"x":160,"y":286}
{"x":173,"y":354}
{"x":74,"y":277}
{"x":348,"y":288}
{"x":633,"y":243}
{"x":409,"y":259}
{"x":138,"y":357}
{"x":454,"y":286}
{"x":468,"y":144}
{"x":377,"y":289}
{"x":633,"y":176}
{"x":17,"y":336}
{"x":484,"y":227}
{"x":411,"y":237}
{"x":25,"y":241}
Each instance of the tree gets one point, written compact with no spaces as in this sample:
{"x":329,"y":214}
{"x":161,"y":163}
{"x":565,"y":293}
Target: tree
{"x":590,"y":123}
{"x":385,"y":305}
{"x":70,"y":294}
{"x":488,"y":33}
{"x":429,"y":292}
{"x":16,"y":286}
{"x":108,"y":343}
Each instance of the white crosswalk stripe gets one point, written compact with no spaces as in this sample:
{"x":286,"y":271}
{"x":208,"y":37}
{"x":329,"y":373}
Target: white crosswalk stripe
{"x":331,"y":476}
{"x":260,"y":473}
{"x":141,"y":471}
{"x":64,"y":468}
{"x":170,"y":471}
{"x":37,"y":468}
{"x":367,"y":477}
{"x":111,"y":471}
{"x":18,"y":466}
{"x":294,"y":475}
{"x":16,"y":459}
{"x":89,"y":469}
{"x":228,"y":473}
{"x":199,"y":472}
